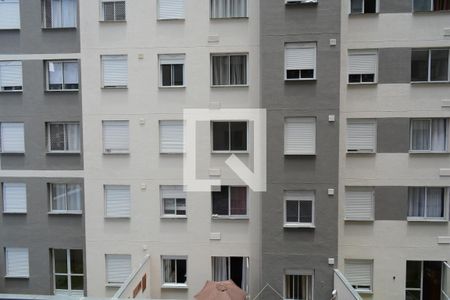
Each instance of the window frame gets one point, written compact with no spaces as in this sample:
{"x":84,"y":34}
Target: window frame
{"x":425,"y":218}
{"x":229,"y":215}
{"x":105,"y":202}
{"x":19,"y":20}
{"x":3,"y":62}
{"x":293,"y":272}
{"x":47,"y":75}
{"x":115,"y":151}
{"x":66,"y":211}
{"x":429,"y":50}
{"x":6,"y":263}
{"x":377,"y":9}
{"x":102,"y":11}
{"x":430,"y":137}
{"x":172,"y":216}
{"x":69,"y":274}
{"x":229,"y":54}
{"x":229,"y":138}
{"x":245,"y":259}
{"x":362,"y":261}
{"x":160,"y":73}
{"x":427,"y":11}
{"x":301,"y":45}
{"x":299,"y":224}
{"x":227,"y":18}
{"x":355,"y":52}
{"x":49,"y":150}
{"x":21,"y":212}
{"x":44,"y":18}
{"x":102,"y":71}
{"x":169,"y":285}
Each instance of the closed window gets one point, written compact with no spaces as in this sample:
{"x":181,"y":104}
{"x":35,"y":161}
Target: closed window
{"x":360,"y":274}
{"x":359,"y":203}
{"x":299,"y":136}
{"x":229,"y":69}
{"x":231,"y":268}
{"x":363,"y":6}
{"x":171,"y":136}
{"x":429,"y":65}
{"x":115,"y":137}
{"x":425,"y":280}
{"x":173,"y":201}
{"x":228,"y":9}
{"x":299,"y":208}
{"x":17,"y":265}
{"x":63,"y":137}
{"x":431,"y":5}
{"x":171,"y":70}
{"x":118,"y":201}
{"x":429,"y":135}
{"x":361,"y":135}
{"x":14,"y":197}
{"x":298,"y":285}
{"x":12,"y":138}
{"x":60,"y":13}
{"x":115,"y":71}
{"x":65,"y":198}
{"x":62,"y":75}
{"x":118,"y":268}
{"x":300,"y":61}
{"x":229,"y":136}
{"x":427,"y":203}
{"x":174,"y":271}
{"x":230,"y":201}
{"x":9,"y":14}
{"x":362,"y":66}
{"x":113,"y":10}
{"x":171,"y":9}
{"x":10,"y":75}
{"x":68,"y":272}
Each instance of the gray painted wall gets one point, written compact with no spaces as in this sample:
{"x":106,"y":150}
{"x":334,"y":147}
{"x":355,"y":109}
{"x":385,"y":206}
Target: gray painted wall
{"x":394,"y":65}
{"x":393,"y":135}
{"x":391,"y":203}
{"x":39,"y":232}
{"x":300,"y":249}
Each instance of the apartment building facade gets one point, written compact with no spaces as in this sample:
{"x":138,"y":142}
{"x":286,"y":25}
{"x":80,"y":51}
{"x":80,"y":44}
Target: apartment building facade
{"x":42,"y":222}
{"x":393,"y":215}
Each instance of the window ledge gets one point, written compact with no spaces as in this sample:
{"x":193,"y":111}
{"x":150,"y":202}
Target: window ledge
{"x":11,"y":92}
{"x":228,"y":18}
{"x":174,"y":217}
{"x":112,"y":21}
{"x":114,"y":285}
{"x":16,"y":277}
{"x":361,"y":152}
{"x":62,"y":153}
{"x":114,"y":87}
{"x":171,"y":153}
{"x":175,"y":87}
{"x":362,"y":83}
{"x":429,"y":82}
{"x":116,"y":153}
{"x":300,"y":79}
{"x":172,"y":19}
{"x":354,"y":14}
{"x":365,"y":292}
{"x":426,"y":12}
{"x":230,"y":86}
{"x":9,"y":29}
{"x":299,"y":154}
{"x":13,"y":153}
{"x":230,"y":152}
{"x":299,"y":225}
{"x":359,"y":220}
{"x":117,"y":218}
{"x":174,"y":286}
{"x":218,"y":217}
{"x":14,"y":212}
{"x":59,"y":28}
{"x":62,"y":91}
{"x":427,"y":220}
{"x":427,"y":152}
{"x":65,"y":213}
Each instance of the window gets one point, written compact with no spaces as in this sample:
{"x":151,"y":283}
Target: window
{"x":298,"y":285}
{"x":12,"y":138}
{"x":174,"y":271}
{"x":230,"y":201}
{"x":363,"y":6}
{"x":172,"y":70}
{"x":118,"y":201}
{"x":429,"y":135}
{"x":17,"y":265}
{"x":60,"y":13}
{"x":429,"y":65}
{"x":229,"y":69}
{"x":427,"y":203}
{"x":115,"y":71}
{"x":14,"y":197}
{"x":115,"y":137}
{"x":299,"y":208}
{"x":359,"y":203}
{"x":63,"y":137}
{"x":229,"y":136}
{"x":62,"y":75}
{"x":423,"y":280}
{"x":118,"y":268}
{"x":113,"y":10}
{"x":173,"y":199}
{"x":171,"y":9}
{"x":68,"y":272}
{"x":299,"y":136}
{"x":361,"y":135}
{"x":228,"y":9}
{"x":171,"y":136}
{"x":9,"y":14}
{"x":359,"y":273}
{"x":65,"y":198}
{"x":10,"y":75}
{"x":231,"y":268}
{"x":362,"y":66}
{"x":431,"y":5}
{"x":300,"y":61}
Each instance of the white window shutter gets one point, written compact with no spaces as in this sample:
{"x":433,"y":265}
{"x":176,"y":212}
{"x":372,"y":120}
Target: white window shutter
{"x":10,"y":73}
{"x":171,"y":136}
{"x":9,"y":14}
{"x":171,"y":59}
{"x":362,"y":63}
{"x":299,"y":195}
{"x":173,"y":191}
{"x":115,"y":136}
{"x":14,"y":197}
{"x":17,"y":262}
{"x":361,"y":135}
{"x":300,"y":136}
{"x":359,"y":272}
{"x":118,"y":201}
{"x":118,"y":268}
{"x":115,"y":70}
{"x":359,"y":204}
{"x":300,"y":56}
{"x":171,"y":9}
{"x":12,"y":138}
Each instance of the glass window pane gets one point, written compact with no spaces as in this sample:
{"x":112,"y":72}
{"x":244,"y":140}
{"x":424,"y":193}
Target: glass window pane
{"x":166,"y":75}
{"x":61,"y":282}
{"x":422,"y":5}
{"x":292,"y":74}
{"x":77,"y":283}
{"x":413,"y":295}
{"x":221,"y":138}
{"x":181,"y":207}
{"x":292,"y":211}
{"x":439,"y":65}
{"x":370,"y":6}
{"x":238,"y":136}
{"x":76,"y":261}
{"x":220,"y":201}
{"x":238,"y":200}
{"x":420,"y":135}
{"x":169,"y":270}
{"x":120,"y":10}
{"x":413,"y":274}
{"x":238,"y":69}
{"x":71,"y":75}
{"x":416,"y":202}
{"x":441,"y":5}
{"x":59,"y":197}
{"x":305,"y":211}
{"x":419,"y":65}
{"x":435,"y":202}
{"x":356,"y":6}
{"x":57,"y":137}
{"x":178,"y":75}
{"x":220,"y":70}
{"x":60,"y":257}
{"x":55,"y":74}
{"x":73,"y":197}
{"x":181,"y":271}
{"x":169,"y":206}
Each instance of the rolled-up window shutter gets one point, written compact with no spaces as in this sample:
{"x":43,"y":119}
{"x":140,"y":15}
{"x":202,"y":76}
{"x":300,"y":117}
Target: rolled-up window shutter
{"x":14,"y":197}
{"x":171,"y":59}
{"x":12,"y":138}
{"x":300,"y":56}
{"x":118,"y":268}
{"x":173,"y":191}
{"x":115,"y":70}
{"x":9,"y":14}
{"x":10,"y":74}
{"x":362,"y":63}
{"x":359,"y":204}
{"x":115,"y":136}
{"x":118,"y":201}
{"x":17,"y":262}
{"x":359,"y":273}
{"x":300,"y":136}
{"x":171,"y":9}
{"x":171,"y":136}
{"x":361,"y":135}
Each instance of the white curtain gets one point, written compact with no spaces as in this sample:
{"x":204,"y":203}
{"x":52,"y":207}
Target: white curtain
{"x":220,"y":268}
{"x":438,"y":136}
{"x":245,"y":267}
{"x":73,"y":137}
{"x":73,"y":197}
{"x":420,"y":134}
{"x":435,"y":201}
{"x":56,"y":13}
{"x":219,"y":8}
{"x":71,"y":73}
{"x":416,"y":202}
{"x":221,"y":75}
{"x":169,"y":206}
{"x":55,"y":72}
{"x":238,"y":8}
{"x":169,"y":270}
{"x":59,"y":197}
{"x":228,"y":8}
{"x":69,"y":13}
{"x":238,"y":69}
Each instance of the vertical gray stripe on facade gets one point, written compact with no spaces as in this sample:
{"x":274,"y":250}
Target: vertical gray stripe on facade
{"x":391,"y":203}
{"x":393,"y":135}
{"x":395,"y":6}
{"x":394,"y":65}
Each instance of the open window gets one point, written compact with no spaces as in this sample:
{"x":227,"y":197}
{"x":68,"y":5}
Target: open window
{"x":60,"y":13}
{"x":423,"y":280}
{"x":298,"y":285}
{"x":363,"y":6}
{"x":235,"y":268}
{"x":431,"y":5}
